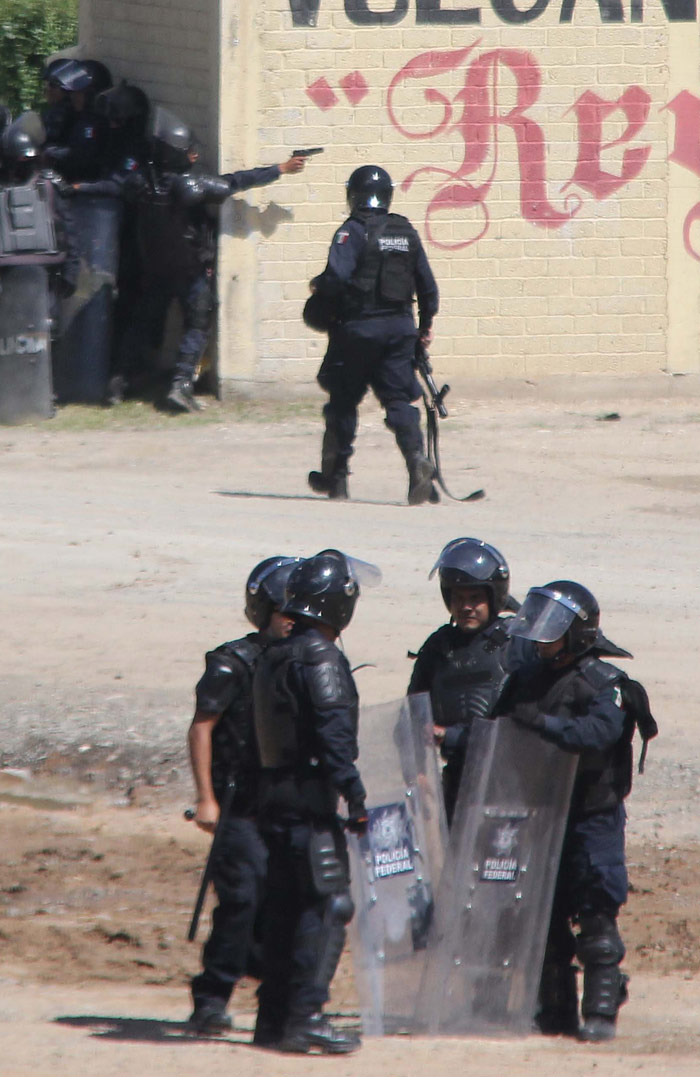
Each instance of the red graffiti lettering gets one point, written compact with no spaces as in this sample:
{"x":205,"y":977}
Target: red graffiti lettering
{"x":591,"y":111}
{"x":478,"y":124}
{"x":685,"y":107}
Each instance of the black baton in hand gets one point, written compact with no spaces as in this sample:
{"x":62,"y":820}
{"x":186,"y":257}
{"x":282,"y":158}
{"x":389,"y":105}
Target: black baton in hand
{"x":206,"y":874}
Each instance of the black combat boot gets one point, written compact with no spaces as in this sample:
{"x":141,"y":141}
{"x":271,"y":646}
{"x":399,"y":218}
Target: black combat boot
{"x":316,"y":1033}
{"x":181,"y":396}
{"x":420,"y":480}
{"x":335,"y":485}
{"x":209,"y":1019}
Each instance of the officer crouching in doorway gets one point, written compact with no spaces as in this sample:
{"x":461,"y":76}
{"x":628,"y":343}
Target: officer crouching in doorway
{"x":568,"y":696}
{"x":463,"y":664}
{"x":306,"y":714}
{"x":226,"y":773}
{"x":376,"y":266}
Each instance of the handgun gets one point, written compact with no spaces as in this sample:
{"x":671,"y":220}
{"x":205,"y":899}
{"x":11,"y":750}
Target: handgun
{"x":307,"y":153}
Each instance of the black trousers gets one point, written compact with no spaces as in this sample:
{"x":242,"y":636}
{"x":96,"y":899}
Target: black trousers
{"x":302,"y":935}
{"x":238,"y":875}
{"x":376,"y":353}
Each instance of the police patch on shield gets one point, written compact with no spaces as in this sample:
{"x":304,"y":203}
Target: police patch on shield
{"x":499,"y":841}
{"x":390,"y":842}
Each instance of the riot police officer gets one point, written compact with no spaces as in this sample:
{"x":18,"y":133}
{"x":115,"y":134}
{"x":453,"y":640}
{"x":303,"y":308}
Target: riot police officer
{"x":463,"y":664}
{"x":78,"y":150}
{"x":38,"y":224}
{"x":376,"y":265}
{"x":225,"y":769}
{"x":306,"y":712}
{"x":176,"y":231}
{"x":125,"y":109}
{"x":567,"y":695}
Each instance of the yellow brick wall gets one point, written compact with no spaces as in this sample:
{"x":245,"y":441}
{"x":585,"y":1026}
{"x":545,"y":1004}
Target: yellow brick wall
{"x":591,"y":295}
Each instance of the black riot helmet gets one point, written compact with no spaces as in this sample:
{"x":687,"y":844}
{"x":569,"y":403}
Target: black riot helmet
{"x":265,"y":587}
{"x":326,"y":587}
{"x":20,"y":143}
{"x":123,"y":105}
{"x":369,"y":187}
{"x":172,"y":140}
{"x":69,"y":75}
{"x":469,"y":562}
{"x":559,"y":609}
{"x":100,"y":75}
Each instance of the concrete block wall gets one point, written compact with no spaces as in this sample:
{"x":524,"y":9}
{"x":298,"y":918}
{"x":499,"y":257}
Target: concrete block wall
{"x":168,"y":47}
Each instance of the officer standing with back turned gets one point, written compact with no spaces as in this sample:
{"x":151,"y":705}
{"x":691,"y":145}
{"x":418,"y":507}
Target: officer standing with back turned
{"x":376,"y":266}
{"x":225,"y":768}
{"x":306,"y":713}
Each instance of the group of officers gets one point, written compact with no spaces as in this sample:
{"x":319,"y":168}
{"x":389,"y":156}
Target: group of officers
{"x":274,"y":739}
{"x":99,"y":140}
{"x":95,"y":140}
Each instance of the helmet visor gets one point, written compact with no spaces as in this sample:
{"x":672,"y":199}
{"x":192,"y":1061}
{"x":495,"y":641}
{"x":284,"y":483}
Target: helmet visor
{"x":465,"y":555}
{"x":362,"y":572}
{"x":542,"y":618}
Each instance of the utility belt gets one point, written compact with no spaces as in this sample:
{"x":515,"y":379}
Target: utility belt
{"x":304,"y":795}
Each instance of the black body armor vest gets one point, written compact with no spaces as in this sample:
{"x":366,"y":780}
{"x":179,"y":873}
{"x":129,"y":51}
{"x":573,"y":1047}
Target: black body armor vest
{"x":467,"y":684}
{"x":296,"y":675}
{"x":384,"y":278}
{"x":234,"y":751}
{"x":603,"y":779}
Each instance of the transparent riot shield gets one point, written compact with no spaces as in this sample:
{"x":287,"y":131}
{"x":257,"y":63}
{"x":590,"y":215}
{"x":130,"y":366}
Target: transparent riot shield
{"x":396,"y":866}
{"x":82,"y":352}
{"x":495,"y":897}
{"x":25,"y":345}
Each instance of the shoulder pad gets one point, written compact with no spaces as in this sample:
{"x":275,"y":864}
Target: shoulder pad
{"x":314,"y":650}
{"x":600,"y":674}
{"x":496,"y":631}
{"x":247,"y":650}
{"x":187,"y":189}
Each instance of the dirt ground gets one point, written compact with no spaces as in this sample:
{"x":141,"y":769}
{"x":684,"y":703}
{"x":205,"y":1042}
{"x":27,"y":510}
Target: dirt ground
{"x":126,"y":538}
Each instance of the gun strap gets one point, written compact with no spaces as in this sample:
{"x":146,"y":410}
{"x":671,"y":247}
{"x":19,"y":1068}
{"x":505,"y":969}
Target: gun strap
{"x":431,"y":422}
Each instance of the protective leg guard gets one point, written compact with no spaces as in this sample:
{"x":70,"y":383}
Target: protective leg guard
{"x":558,"y":1001}
{"x":600,"y":949}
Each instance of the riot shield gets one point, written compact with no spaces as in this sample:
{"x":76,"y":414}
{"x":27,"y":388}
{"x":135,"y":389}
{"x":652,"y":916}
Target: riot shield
{"x":396,"y":866}
{"x":83,"y":351}
{"x":495,"y":896}
{"x":25,"y":345}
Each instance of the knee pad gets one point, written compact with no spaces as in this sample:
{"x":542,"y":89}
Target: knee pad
{"x":599,"y":942}
{"x":340,"y":908}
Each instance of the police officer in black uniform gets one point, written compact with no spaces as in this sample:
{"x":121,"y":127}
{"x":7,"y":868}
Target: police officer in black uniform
{"x":38,"y":226}
{"x":306,"y":712}
{"x":376,"y":266}
{"x":463,"y":664}
{"x":569,"y":697}
{"x":125,"y":109}
{"x":225,"y":769}
{"x":177,"y":232}
{"x":77,"y":149}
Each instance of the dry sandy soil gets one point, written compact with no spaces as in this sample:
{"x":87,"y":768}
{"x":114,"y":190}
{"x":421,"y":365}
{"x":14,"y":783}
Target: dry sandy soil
{"x":126,"y":538}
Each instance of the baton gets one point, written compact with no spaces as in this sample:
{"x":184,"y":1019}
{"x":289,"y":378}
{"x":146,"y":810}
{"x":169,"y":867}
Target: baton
{"x":206,"y":874}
